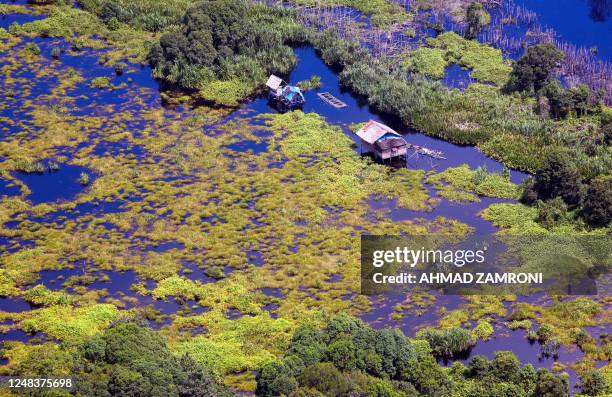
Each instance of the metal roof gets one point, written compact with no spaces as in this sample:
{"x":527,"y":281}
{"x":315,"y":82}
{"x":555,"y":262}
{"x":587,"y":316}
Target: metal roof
{"x":274,"y":82}
{"x":373,"y":131}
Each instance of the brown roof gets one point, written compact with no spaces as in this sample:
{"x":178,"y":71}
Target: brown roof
{"x":373,"y":131}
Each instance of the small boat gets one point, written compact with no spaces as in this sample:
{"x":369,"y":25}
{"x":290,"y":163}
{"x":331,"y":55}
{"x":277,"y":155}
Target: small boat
{"x":284,"y":96}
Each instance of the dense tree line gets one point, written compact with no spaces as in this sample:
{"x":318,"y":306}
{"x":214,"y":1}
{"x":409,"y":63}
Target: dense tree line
{"x":558,"y":188}
{"x":348,"y":358}
{"x":126,"y":360}
{"x":224,"y":40}
{"x":535,"y":74}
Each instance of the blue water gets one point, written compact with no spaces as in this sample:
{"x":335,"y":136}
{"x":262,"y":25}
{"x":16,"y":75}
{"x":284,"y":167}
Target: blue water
{"x":585,"y":23}
{"x":62,"y":184}
{"x":8,"y":189}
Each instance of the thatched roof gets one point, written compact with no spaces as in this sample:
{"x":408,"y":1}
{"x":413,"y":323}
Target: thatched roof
{"x":274,"y":82}
{"x":373,"y":131}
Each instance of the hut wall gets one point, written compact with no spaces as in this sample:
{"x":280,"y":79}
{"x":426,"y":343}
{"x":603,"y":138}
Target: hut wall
{"x":387,"y":154}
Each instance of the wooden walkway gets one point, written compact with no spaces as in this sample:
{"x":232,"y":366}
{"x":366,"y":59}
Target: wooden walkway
{"x":331,"y":100}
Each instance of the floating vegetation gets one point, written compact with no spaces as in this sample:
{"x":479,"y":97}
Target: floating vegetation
{"x":84,"y":179}
{"x":101,"y":83}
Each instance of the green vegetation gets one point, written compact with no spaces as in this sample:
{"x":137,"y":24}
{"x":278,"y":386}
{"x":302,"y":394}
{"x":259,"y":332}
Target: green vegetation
{"x":448,"y":343}
{"x":127,"y":359}
{"x":487,"y":63}
{"x":382,"y":13}
{"x":101,"y":83}
{"x":299,"y":204}
{"x":218,"y":50}
{"x":313,"y":84}
{"x":346,"y":357}
{"x":477,"y":18}
{"x":534,"y":70}
{"x":429,"y":62}
{"x":462,"y":184}
{"x":558,"y":188}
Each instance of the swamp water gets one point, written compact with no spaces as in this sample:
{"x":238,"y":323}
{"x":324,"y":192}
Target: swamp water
{"x":93,"y":102}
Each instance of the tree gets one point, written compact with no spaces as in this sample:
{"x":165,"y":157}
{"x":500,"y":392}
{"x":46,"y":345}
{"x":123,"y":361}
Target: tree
{"x":308,"y":344}
{"x":593,"y":384}
{"x":274,"y":379}
{"x":534,"y":69}
{"x":427,"y":377}
{"x":580,"y":98}
{"x":597,"y":207}
{"x":479,"y":367}
{"x":193,"y":380}
{"x":325,"y":378}
{"x":558,"y":99}
{"x":549,"y":385}
{"x":552,"y":213}
{"x":476,"y":18}
{"x":132,"y":360}
{"x":559,"y":177}
{"x":505,"y":366}
{"x":342,"y":354}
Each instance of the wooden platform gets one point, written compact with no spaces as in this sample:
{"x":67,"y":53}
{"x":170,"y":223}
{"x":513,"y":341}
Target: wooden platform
{"x":331,"y":100}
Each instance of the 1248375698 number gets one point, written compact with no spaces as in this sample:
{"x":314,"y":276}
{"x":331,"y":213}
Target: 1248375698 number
{"x":38,"y":383}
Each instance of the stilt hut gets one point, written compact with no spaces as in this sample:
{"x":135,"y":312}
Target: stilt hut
{"x":285,"y":96}
{"x":382,"y":140}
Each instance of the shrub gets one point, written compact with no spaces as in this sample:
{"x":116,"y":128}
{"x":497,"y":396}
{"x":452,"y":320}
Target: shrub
{"x":559,"y":177}
{"x":593,"y":383}
{"x":549,"y":385}
{"x":477,"y":18}
{"x":552,"y":213}
{"x":84,"y":179}
{"x":597,"y":207}
{"x":101,"y":83}
{"x":447,"y":343}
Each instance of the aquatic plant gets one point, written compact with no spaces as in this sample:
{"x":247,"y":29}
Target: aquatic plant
{"x":101,"y":83}
{"x":120,"y":68}
{"x":84,"y":179}
{"x":312,"y":84}
{"x":449,"y":342}
{"x":29,"y":166}
{"x":56,"y":52}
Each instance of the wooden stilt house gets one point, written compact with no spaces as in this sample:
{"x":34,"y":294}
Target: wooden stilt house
{"x":382,"y":141}
{"x":285,"y":96}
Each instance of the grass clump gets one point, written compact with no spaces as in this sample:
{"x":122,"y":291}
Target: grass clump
{"x":41,"y":296}
{"x":313,"y":84}
{"x":101,"y":83}
{"x":447,"y":343}
{"x":463,"y":184}
{"x":429,"y":62}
